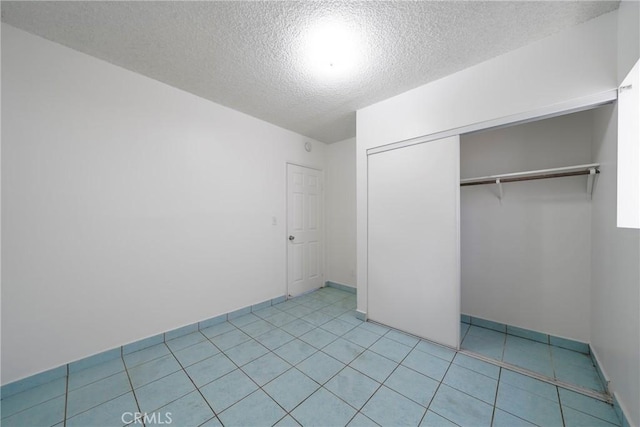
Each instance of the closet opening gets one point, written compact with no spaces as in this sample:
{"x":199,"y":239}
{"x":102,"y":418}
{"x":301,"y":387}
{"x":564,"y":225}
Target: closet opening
{"x":526,"y":222}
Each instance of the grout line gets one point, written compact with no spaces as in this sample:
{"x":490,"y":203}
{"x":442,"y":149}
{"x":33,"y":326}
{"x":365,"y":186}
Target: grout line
{"x":133,"y":391}
{"x":588,"y":392}
{"x":66,"y":398}
{"x":560,"y":405}
{"x":495,"y":398}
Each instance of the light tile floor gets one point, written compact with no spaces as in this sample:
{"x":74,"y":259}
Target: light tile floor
{"x":307,"y":361}
{"x":564,"y":365}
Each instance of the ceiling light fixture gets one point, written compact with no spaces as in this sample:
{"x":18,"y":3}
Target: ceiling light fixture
{"x":331,"y":48}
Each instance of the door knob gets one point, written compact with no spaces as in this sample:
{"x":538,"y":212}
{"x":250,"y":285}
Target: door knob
{"x":291,"y":238}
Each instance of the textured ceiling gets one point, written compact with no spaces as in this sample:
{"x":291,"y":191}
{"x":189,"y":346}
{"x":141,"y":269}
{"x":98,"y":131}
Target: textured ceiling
{"x":249,"y":55}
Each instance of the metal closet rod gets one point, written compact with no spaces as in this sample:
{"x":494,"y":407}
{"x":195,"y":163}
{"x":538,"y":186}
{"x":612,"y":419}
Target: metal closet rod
{"x":529,"y":178}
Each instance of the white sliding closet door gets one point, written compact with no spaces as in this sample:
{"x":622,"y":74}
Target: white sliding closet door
{"x":414,"y":239}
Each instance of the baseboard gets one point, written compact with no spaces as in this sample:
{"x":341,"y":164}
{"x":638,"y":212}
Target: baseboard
{"x":341,"y":287}
{"x":622,"y":415}
{"x":35,"y":380}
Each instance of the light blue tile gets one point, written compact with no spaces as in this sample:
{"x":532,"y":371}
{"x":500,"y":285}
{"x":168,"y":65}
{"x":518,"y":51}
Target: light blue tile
{"x":583,"y":377}
{"x":185,"y":341}
{"x":334,"y":310}
{"x":569,"y":344}
{"x":426,"y":364}
{"x":95,"y":373}
{"x":337,"y":327}
{"x":265,"y":368}
{"x":505,"y":419}
{"x":257,"y":409}
{"x":461,"y":408}
{"x":528,"y":334}
{"x":163,"y":391}
{"x":350,"y":317}
{"x":228,"y":390}
{"x":431,"y":419}
{"x":153,"y":370}
{"x":361,"y":420}
{"x":230,"y":339}
{"x":180,"y":331}
{"x":196,"y":353}
{"x":320,"y":367}
{"x":96,"y":359}
{"x":562,"y":356}
{"x":257,"y":328}
{"x":33,"y":396}
{"x":529,"y":360}
{"x":244,"y":320}
{"x":402,"y":338}
{"x":412,"y":385}
{"x":489,"y":324}
{"x":573,"y":418}
{"x":210,"y":369}
{"x":464,"y":328}
{"x":145,"y":355}
{"x":33,"y":381}
{"x":218,"y":329}
{"x":261,"y":305}
{"x":295,"y":351}
{"x":291,"y":388}
{"x":323,"y":409}
{"x":492,"y":347}
{"x":529,"y":384}
{"x":318,"y":318}
{"x":531,"y":348}
{"x":588,"y":405}
{"x":300,"y":311}
{"x":318,"y":338}
{"x":188,"y":411}
{"x":479,"y":366}
{"x":352,"y":387}
{"x":204,"y":324}
{"x":43,"y":415}
{"x":343,"y":350}
{"x":274,"y":339}
{"x":374,"y":327}
{"x":214,"y":422}
{"x":287,"y":421}
{"x":374,"y":365}
{"x":142,"y":344}
{"x":280,"y":319}
{"x":265,"y":313}
{"x":528,"y":406}
{"x":361,"y":336}
{"x":108,"y":414}
{"x":287,"y":305}
{"x":238,"y":313}
{"x":246,"y":352}
{"x":389,"y":408}
{"x":298,"y":327}
{"x":96,"y":393}
{"x":278,"y":300}
{"x":436,"y":350}
{"x":390,"y":349}
{"x":465,"y":318}
{"x":472,"y":383}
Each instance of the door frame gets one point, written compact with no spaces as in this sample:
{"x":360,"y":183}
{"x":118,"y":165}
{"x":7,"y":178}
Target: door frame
{"x":323,"y":233}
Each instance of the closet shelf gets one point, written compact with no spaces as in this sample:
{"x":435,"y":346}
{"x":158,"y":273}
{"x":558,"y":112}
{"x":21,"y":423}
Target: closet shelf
{"x":590,"y":170}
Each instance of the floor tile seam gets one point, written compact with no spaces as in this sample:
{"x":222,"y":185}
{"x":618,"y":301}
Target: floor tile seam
{"x":66,"y":397}
{"x":57,"y":396}
{"x":201,"y":342}
{"x":436,"y":356}
{"x":531,"y":392}
{"x":435,"y":393}
{"x":495,"y":397}
{"x":470,"y":395}
{"x":221,"y":333}
{"x":184,"y":370}
{"x":100,"y":404}
{"x":69,"y":389}
{"x":223,"y":350}
{"x":562,"y":405}
{"x":564,"y":423}
{"x":124,"y":361}
{"x":160,"y":378}
{"x":442,"y":416}
{"x":476,"y":372}
{"x":197,"y":331}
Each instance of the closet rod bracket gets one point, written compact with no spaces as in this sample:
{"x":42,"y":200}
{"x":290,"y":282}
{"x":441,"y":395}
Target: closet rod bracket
{"x":590,"y":179}
{"x":500,"y":192}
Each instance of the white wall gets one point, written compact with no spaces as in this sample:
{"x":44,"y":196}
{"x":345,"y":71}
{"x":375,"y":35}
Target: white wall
{"x":530,"y":254}
{"x":572,"y":64}
{"x":129,"y":207}
{"x":340,"y":208}
{"x":615,"y":307}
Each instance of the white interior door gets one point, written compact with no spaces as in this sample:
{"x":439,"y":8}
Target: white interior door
{"x":304,"y":230}
{"x":414,"y":240}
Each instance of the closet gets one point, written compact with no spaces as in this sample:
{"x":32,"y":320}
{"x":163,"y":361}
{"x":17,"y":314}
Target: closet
{"x":492,"y":225}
